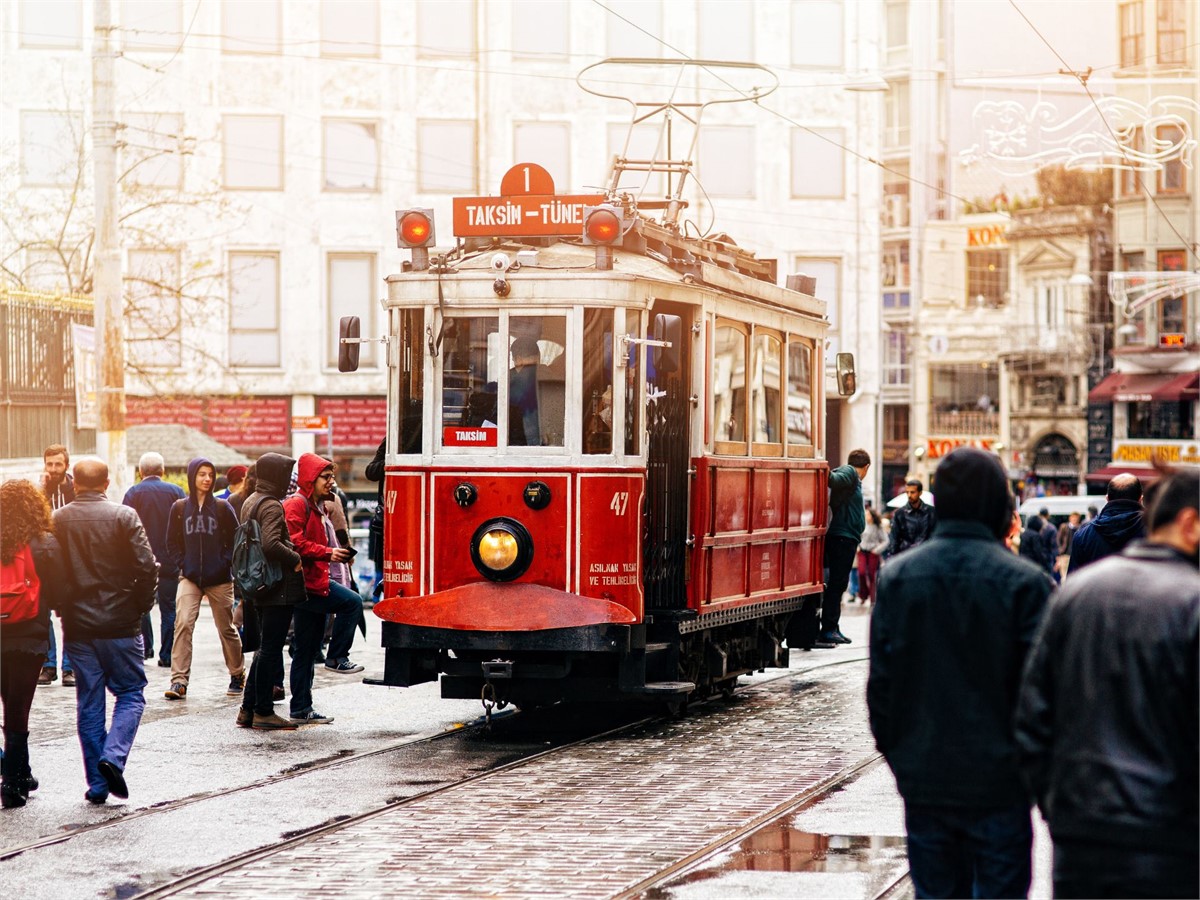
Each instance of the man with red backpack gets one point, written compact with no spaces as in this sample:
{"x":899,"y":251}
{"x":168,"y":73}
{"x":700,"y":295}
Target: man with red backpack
{"x":325,"y":582}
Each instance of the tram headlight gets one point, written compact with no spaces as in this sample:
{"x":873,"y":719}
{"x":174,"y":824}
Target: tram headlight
{"x":501,"y":549}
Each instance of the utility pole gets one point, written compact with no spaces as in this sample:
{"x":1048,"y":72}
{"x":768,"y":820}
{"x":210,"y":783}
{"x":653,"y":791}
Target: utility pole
{"x":110,"y":325}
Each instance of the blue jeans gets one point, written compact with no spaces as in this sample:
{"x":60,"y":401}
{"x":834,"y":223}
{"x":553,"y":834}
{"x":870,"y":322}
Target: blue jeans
{"x":114,"y":664}
{"x":52,"y":654}
{"x":310,"y":628}
{"x":969,"y":851}
{"x":166,"y":616}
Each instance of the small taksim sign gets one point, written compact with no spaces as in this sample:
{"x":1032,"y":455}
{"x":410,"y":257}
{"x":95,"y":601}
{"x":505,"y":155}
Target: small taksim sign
{"x":527,"y":207}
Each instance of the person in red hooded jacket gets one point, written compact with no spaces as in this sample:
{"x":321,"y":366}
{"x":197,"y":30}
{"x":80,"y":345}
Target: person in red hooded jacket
{"x":326,"y":576}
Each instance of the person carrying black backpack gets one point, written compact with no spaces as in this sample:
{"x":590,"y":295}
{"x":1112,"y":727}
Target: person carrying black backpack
{"x":272,"y":609}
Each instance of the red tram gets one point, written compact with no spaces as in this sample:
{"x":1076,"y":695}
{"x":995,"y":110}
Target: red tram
{"x":605,"y":475}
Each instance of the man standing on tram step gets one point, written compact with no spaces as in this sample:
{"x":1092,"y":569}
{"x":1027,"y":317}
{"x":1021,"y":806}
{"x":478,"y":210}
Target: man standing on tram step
{"x":325,"y":565}
{"x":912,"y":524}
{"x":108,"y":584}
{"x":1109,"y":713}
{"x":949,"y":635}
{"x":847,"y":521}
{"x":152,"y":499}
{"x":200,"y":544}
{"x":1117,"y":525}
{"x":59,"y":489}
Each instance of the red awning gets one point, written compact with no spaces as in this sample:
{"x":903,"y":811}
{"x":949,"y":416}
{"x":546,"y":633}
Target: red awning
{"x":1158,"y":386}
{"x":1146,"y":476}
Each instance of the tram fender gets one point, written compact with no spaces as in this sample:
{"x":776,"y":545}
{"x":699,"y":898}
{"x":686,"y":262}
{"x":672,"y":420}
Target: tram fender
{"x":502,"y":607}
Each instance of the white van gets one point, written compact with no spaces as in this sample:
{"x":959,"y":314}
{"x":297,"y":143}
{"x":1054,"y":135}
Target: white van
{"x":1060,"y":507}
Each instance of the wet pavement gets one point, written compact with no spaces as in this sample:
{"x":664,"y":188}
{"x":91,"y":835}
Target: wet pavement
{"x":710,"y":768}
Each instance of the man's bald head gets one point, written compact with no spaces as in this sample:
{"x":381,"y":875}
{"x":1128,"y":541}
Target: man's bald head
{"x":91,"y":474}
{"x":1124,"y":487}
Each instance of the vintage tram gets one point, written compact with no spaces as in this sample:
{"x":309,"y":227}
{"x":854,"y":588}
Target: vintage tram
{"x":605,"y":475}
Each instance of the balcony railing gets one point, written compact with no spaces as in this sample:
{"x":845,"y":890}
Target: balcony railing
{"x":964,"y":422}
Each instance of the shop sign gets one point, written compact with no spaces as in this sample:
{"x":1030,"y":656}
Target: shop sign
{"x":936,"y":448}
{"x":1171,"y":340}
{"x":987,"y":236}
{"x":1144,"y":453}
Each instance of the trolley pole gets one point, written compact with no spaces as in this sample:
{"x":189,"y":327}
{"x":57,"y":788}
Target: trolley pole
{"x":106,"y":286}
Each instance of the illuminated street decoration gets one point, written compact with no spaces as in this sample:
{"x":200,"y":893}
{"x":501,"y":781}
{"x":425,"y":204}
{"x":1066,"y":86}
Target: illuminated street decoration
{"x":1016,"y":140}
{"x":1131,"y":292}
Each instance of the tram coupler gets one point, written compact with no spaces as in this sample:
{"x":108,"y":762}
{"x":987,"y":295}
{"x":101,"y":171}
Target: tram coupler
{"x":498,"y":668}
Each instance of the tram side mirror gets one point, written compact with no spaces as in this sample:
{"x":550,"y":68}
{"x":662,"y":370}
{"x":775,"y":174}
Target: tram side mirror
{"x":349,"y":330}
{"x":847,"y":380}
{"x":670,"y":330}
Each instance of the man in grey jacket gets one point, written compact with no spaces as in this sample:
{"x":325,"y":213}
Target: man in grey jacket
{"x":109,"y":581}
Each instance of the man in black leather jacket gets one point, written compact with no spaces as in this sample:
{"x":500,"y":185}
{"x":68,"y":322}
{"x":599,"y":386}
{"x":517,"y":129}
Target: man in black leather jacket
{"x":109,"y":583}
{"x":953,"y":622}
{"x":1109,"y":716}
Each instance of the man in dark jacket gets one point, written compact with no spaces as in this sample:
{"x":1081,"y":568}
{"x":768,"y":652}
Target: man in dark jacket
{"x":1118,"y":524}
{"x":313,"y":536}
{"x":1049,"y":538}
{"x":912,"y":524}
{"x":108,"y":585}
{"x":200,"y":544}
{"x":1109,"y":713}
{"x":152,"y":499}
{"x":273,"y":611}
{"x":1033,"y":546}
{"x":847,"y":521}
{"x":954,"y":620}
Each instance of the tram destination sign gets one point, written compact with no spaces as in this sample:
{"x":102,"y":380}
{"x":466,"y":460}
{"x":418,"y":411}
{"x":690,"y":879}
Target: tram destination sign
{"x":527,"y":207}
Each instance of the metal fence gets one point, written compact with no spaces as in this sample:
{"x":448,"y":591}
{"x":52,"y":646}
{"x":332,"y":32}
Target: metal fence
{"x":37,"y":373}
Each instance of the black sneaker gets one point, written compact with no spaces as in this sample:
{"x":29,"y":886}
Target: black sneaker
{"x":343,"y":667}
{"x":237,"y":684}
{"x":312,"y":717}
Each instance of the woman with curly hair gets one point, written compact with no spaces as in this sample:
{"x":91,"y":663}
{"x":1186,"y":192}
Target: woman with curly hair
{"x":24,"y":522}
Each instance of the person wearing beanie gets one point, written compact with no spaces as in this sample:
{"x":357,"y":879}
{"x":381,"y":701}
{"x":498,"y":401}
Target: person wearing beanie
{"x":953,"y":623}
{"x":234,"y":476}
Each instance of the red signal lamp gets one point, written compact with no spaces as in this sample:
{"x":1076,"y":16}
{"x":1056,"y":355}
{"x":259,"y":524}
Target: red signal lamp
{"x":602,"y":225}
{"x":414,"y":228}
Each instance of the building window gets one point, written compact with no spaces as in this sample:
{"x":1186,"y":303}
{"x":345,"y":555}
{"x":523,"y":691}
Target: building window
{"x":726,"y":164}
{"x":251,"y":27}
{"x":540,"y":29}
{"x":987,"y":278}
{"x":631,"y":26}
{"x":817,"y":34}
{"x":351,"y":158}
{"x":1050,"y":305}
{"x":446,"y":155}
{"x":896,"y":34}
{"x":253,"y":152}
{"x":45,"y":24}
{"x":643,"y":143}
{"x":895,"y":423}
{"x":828,"y":273}
{"x":51,"y":147}
{"x":152,"y":25}
{"x":254,"y":309}
{"x":818,"y":162}
{"x":726,"y":30}
{"x":1171,"y":177}
{"x":350,"y":28}
{"x":1161,"y":421}
{"x":963,"y":399}
{"x":896,"y":121}
{"x":896,"y":270}
{"x":1132,"y":33}
{"x":546,"y":143}
{"x":1172,"y":33}
{"x":445,"y":27}
{"x":350,"y":291}
{"x":1132,"y":141}
{"x":897,"y":300}
{"x":151,"y":149}
{"x":897,"y":365}
{"x":152,"y":314}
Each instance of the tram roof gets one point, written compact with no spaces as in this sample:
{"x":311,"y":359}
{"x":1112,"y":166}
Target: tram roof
{"x":578,"y":262}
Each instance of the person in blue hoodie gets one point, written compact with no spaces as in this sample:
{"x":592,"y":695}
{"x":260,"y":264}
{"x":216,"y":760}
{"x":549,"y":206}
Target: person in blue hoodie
{"x":1118,"y":524}
{"x":200,"y":534}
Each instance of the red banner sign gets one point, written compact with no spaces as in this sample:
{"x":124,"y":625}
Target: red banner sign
{"x":245,"y":423}
{"x":359,"y":423}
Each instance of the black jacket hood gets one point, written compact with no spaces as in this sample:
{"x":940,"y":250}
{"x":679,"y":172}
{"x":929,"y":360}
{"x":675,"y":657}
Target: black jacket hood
{"x":1120,"y":521}
{"x":274,"y":472}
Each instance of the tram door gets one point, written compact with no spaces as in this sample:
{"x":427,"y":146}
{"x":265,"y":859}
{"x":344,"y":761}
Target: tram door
{"x":667,"y":481}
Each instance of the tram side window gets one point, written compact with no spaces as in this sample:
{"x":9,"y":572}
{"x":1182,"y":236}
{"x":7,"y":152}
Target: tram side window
{"x":799,"y":395}
{"x":537,"y":381}
{"x":412,"y":384}
{"x":634,"y":399}
{"x":729,"y":384}
{"x":472,"y":363}
{"x":765,"y":388}
{"x":597,"y":380}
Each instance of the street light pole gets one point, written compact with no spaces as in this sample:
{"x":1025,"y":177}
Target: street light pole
{"x":106,"y":285}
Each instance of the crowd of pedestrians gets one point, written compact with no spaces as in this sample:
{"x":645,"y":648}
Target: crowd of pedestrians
{"x":102,"y":567}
